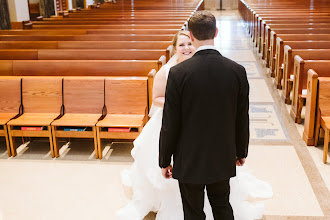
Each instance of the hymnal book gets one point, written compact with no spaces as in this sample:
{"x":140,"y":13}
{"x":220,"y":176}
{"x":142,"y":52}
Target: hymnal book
{"x":74,"y":129}
{"x":118,"y":129}
{"x":32,"y":128}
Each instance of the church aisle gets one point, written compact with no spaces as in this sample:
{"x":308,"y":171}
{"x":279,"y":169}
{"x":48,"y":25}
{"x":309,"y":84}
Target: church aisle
{"x":277,"y":153}
{"x":34,"y":186}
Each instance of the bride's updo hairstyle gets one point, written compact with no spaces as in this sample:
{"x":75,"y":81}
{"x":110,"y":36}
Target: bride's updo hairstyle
{"x":175,"y":40}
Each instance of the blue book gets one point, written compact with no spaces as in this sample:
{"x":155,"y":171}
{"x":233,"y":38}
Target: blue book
{"x":74,"y":129}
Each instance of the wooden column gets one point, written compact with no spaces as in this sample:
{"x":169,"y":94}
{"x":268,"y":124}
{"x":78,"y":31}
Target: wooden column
{"x":47,"y":8}
{"x":4,"y":15}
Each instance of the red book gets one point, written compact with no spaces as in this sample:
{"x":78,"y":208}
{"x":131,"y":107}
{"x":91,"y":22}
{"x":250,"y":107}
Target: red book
{"x":31,"y":128}
{"x":117,"y":129}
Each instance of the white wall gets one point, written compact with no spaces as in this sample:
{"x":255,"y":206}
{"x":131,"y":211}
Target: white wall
{"x":89,"y":2}
{"x":18,"y":10}
{"x":70,"y":4}
{"x":34,"y":1}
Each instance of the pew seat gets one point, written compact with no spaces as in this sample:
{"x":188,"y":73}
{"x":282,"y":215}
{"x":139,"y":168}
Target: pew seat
{"x":10,"y":102}
{"x":80,"y":120}
{"x":42,"y":101}
{"x":83,"y":101}
{"x":126,"y":104}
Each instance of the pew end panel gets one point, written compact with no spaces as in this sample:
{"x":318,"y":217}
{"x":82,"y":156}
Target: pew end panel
{"x":42,"y":102}
{"x":287,"y":71}
{"x":10,"y":104}
{"x":323,"y":114}
{"x":151,"y":77}
{"x":297,"y":87}
{"x":169,"y":53}
{"x":127,"y":109}
{"x":83,"y":101}
{"x":277,"y":62}
{"x":161,"y":61}
{"x":267,"y":45}
{"x":311,"y":108}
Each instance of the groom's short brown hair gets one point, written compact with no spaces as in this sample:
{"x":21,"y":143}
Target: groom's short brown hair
{"x":202,"y":25}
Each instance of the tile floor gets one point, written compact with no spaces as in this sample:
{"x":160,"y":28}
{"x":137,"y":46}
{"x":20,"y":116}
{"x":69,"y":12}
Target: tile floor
{"x":33,"y":186}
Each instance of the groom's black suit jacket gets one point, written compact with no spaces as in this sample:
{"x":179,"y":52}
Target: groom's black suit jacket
{"x":205,"y":118}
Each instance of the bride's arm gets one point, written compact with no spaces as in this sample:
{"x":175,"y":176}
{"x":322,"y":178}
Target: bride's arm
{"x":158,"y":91}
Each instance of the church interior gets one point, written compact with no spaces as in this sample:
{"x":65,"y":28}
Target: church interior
{"x":76,"y":83}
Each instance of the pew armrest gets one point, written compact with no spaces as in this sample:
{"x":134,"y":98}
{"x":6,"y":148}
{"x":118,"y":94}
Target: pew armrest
{"x":161,"y":61}
{"x":169,"y":52}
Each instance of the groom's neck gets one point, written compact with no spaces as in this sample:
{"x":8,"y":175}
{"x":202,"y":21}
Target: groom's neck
{"x":199,"y":43}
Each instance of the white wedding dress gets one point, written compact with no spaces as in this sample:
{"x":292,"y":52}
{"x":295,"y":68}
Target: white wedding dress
{"x":152,"y":192}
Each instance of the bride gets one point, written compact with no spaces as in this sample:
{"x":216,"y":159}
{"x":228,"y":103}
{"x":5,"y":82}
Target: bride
{"x":151,"y":191}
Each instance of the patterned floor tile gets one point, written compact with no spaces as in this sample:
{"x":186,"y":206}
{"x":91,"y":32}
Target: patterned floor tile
{"x":264,"y":123}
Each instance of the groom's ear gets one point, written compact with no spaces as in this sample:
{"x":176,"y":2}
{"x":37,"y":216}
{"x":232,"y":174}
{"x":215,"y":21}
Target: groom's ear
{"x":216,"y":33}
{"x":191,"y":37}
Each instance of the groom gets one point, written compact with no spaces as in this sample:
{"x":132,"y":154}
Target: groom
{"x":205,"y":123}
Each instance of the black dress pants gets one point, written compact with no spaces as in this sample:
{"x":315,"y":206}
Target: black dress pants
{"x":193,"y":200}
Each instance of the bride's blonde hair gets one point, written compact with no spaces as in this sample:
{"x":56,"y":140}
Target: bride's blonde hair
{"x":175,"y":40}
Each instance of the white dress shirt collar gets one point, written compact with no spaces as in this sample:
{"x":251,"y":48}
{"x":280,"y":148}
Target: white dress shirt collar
{"x":206,"y":47}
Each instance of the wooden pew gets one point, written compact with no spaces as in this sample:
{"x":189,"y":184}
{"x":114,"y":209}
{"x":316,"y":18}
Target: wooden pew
{"x":301,"y":45}
{"x":262,"y":22}
{"x":83,"y":101}
{"x":286,"y":70}
{"x":90,"y":37}
{"x":88,"y":31}
{"x":300,"y":82}
{"x":270,"y":38}
{"x":42,"y":101}
{"x":127,"y":108}
{"x":80,"y":67}
{"x":312,"y":115}
{"x":84,"y":44}
{"x":277,"y":60}
{"x":82,"y":54}
{"x":10,"y":102}
{"x":317,"y":111}
{"x":107,"y":21}
{"x":129,"y":27}
{"x":269,"y":27}
{"x":259,"y":17}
